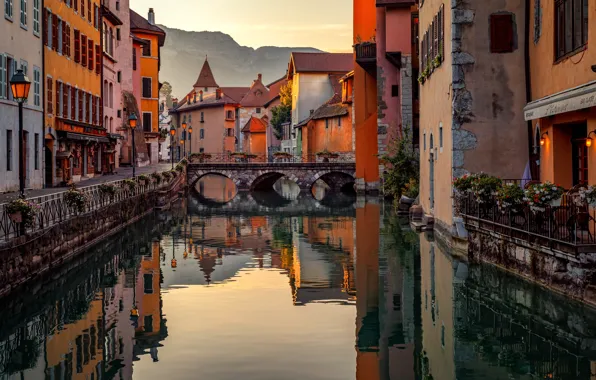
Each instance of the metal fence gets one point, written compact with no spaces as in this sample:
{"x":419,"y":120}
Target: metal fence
{"x":54,"y":209}
{"x":197,"y":158}
{"x":570,"y":225}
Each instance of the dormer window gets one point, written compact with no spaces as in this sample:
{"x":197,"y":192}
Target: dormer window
{"x":201,"y":96}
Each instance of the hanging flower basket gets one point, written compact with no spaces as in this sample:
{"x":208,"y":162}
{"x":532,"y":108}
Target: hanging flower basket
{"x":541,"y":195}
{"x":510,"y":197}
{"x":23,"y":211}
{"x":588,"y":195}
{"x":76,"y":199}
{"x":129,"y":184}
{"x":143,"y":179}
{"x":484,"y":187}
{"x":199,"y":157}
{"x":16,"y":217}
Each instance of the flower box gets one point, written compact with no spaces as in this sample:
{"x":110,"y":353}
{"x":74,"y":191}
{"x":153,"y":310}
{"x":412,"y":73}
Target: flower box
{"x":541,"y":195}
{"x":22,"y":211}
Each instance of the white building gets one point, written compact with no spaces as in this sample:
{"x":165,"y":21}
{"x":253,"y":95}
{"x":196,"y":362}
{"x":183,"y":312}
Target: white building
{"x":164,"y":125}
{"x":21,"y":47}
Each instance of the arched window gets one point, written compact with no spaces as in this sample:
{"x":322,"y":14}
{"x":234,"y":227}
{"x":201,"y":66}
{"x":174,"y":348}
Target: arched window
{"x":105,"y":37}
{"x":105,"y":93}
{"x":105,"y":123}
{"x":111,"y":93}
{"x":537,"y":140}
{"x":111,"y":125}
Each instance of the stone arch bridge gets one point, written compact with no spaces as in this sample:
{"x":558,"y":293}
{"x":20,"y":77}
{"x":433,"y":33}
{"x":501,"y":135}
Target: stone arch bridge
{"x":339,"y":176}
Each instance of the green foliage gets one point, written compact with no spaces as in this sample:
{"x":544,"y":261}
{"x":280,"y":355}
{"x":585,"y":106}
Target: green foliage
{"x":509,"y":195}
{"x":166,"y":175}
{"x":76,"y":199}
{"x":412,"y":188}
{"x":143,"y":177}
{"x":108,"y":189}
{"x":179,"y":168}
{"x":130,"y":183}
{"x":166,"y":90}
{"x":27,"y":209}
{"x":282,"y":113}
{"x":156,"y":177}
{"x":485,"y":186}
{"x":401,"y":166}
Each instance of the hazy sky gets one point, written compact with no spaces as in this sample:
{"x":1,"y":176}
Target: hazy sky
{"x":323,"y":24}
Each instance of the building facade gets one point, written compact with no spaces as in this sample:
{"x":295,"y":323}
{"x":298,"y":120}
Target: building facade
{"x":253,"y":106}
{"x":273,"y":143}
{"x":21,"y":48}
{"x":474,"y":81}
{"x":76,"y":140}
{"x":153,"y":39}
{"x":562,"y":109}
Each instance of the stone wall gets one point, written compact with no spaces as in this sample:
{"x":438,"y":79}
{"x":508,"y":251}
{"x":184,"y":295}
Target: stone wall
{"x":571,"y":274}
{"x":32,"y":255}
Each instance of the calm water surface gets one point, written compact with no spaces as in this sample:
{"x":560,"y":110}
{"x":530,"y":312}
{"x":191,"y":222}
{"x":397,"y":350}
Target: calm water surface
{"x":287,"y":286}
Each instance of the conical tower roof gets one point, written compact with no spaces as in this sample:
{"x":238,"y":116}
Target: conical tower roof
{"x":206,"y":78}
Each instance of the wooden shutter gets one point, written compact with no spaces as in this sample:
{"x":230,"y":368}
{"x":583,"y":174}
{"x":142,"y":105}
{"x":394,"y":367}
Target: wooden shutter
{"x":442,"y":32}
{"x":82,"y":8}
{"x":73,"y":103}
{"x":50,"y":103}
{"x":90,"y":56}
{"x":84,"y":50}
{"x":134,"y":58}
{"x":501,"y":33}
{"x":76,"y":5}
{"x":95,"y":16}
{"x":58,"y":98}
{"x":89,"y":11}
{"x":436,"y":36}
{"x":64,"y":39}
{"x":77,"y":41}
{"x":45,"y":29}
{"x":54,"y":32}
{"x":86,"y":105}
{"x":97,"y":59}
{"x":80,"y":118}
{"x":67,"y":40}
{"x":65,"y":91}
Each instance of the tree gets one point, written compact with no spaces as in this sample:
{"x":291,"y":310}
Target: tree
{"x":402,"y":166}
{"x":166,"y":90}
{"x":283,"y":112}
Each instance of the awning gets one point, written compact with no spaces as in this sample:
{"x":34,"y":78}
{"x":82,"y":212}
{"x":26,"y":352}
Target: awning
{"x":82,"y":137}
{"x":115,"y":136}
{"x":64,"y":154}
{"x":573,"y":99}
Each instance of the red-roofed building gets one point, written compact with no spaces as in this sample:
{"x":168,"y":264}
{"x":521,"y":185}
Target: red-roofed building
{"x":253,"y":105}
{"x":254,"y":136}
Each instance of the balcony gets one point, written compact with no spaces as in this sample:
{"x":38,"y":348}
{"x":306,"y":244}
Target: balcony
{"x":396,"y":3}
{"x":366,"y":56}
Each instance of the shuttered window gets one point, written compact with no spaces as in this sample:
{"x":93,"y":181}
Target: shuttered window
{"x":87,"y":107}
{"x":46,"y":30}
{"x":65,"y":92}
{"x":97,"y":59}
{"x":3,"y":77}
{"x":77,"y":41}
{"x":73,"y":103}
{"x":90,"y":55}
{"x":80,"y":103}
{"x":571,"y":26}
{"x":82,"y":8}
{"x":501,"y":33}
{"x":89,"y":11}
{"x":134,"y":58}
{"x":54,"y":32}
{"x":84,"y":50}
{"x":146,"y":87}
{"x":50,"y":102}
{"x":442,"y":32}
{"x":58,"y":98}
{"x":95,"y":16}
{"x":76,"y":5}
{"x":147,"y":121}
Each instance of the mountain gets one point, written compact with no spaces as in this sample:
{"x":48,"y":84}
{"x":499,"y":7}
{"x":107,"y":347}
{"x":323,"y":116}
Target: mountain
{"x":233,"y":65}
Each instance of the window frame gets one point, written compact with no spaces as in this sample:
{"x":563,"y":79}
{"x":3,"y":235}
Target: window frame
{"x":23,"y":14}
{"x":143,"y":88}
{"x":37,"y":86}
{"x":150,"y":123}
{"x":562,"y":34}
{"x":8,"y":10}
{"x":9,"y":149}
{"x":37,"y":18}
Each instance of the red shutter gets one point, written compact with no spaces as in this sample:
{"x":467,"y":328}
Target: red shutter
{"x":501,"y":33}
{"x":45,"y":28}
{"x":86,"y":105}
{"x":54,"y":32}
{"x":89,"y":10}
{"x":90,"y":56}
{"x":76,"y":5}
{"x":95,"y":16}
{"x":50,"y":103}
{"x":58,"y":108}
{"x":80,"y":118}
{"x":67,"y":40}
{"x":64,"y":39}
{"x":73,"y":103}
{"x":84,"y":50}
{"x":100,"y":100}
{"x":65,"y":91}
{"x":97,"y":59}
{"x":94,"y":109}
{"x":82,"y":8}
{"x":77,"y":41}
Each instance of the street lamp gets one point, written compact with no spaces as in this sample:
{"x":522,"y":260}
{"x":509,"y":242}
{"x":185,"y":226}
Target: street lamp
{"x":190,"y":137}
{"x":184,"y":138}
{"x":20,"y":85}
{"x":132,"y":122}
{"x":172,"y":134}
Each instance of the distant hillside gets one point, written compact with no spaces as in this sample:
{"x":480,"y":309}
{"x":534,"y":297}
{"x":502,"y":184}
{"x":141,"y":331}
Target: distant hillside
{"x":233,"y":65}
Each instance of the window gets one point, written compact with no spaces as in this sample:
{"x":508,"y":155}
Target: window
{"x":339,"y":121}
{"x":10,"y":70}
{"x":84,"y":50}
{"x":65,"y":99}
{"x":230,"y":132}
{"x":119,"y":76}
{"x":571,"y":26}
{"x":326,"y":123}
{"x":73,"y":103}
{"x":501,"y":33}
{"x":77,"y":41}
{"x":111,"y":42}
{"x":95,"y":16}
{"x":3,"y":77}
{"x":201,"y":150}
{"x":49,"y":103}
{"x":202,"y":117}
{"x":258,"y":110}
{"x":89,"y":11}
{"x":82,"y":8}
{"x":23,"y":13}
{"x":424,"y":141}
{"x":111,"y":95}
{"x":148,"y":283}
{"x":202,"y":134}
{"x":98,"y":64}
{"x":54,"y":26}
{"x":395,"y":90}
{"x":8,"y":150}
{"x":8,"y":9}
{"x":60,"y":37}
{"x":148,"y":323}
{"x":118,"y":38}
{"x":36,"y":87}
{"x":117,"y":5}
{"x":48,"y":30}
{"x":90,"y":57}
{"x":58,"y":98}
{"x":66,"y":40}
{"x":441,"y":138}
{"x":134,"y":58}
{"x":147,"y":121}
{"x":147,"y":48}
{"x":76,"y":5}
{"x":146,"y":87}
{"x":36,"y":142}
{"x":229,"y":115}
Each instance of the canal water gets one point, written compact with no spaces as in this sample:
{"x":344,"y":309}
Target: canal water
{"x":283,"y":286}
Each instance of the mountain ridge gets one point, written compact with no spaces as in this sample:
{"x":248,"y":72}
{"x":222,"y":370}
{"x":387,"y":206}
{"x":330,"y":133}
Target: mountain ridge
{"x":233,"y":65}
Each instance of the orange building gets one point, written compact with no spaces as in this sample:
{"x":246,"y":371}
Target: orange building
{"x":330,"y":126}
{"x":75,"y":138}
{"x":255,"y":138}
{"x":154,"y":38}
{"x":562,"y":110}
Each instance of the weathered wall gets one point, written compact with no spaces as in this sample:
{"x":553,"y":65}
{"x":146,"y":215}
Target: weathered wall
{"x":213,"y":127}
{"x":573,"y":275}
{"x":310,"y":91}
{"x":318,"y":137}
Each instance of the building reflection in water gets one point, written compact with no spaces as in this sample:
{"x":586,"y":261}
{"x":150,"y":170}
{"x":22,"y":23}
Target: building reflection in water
{"x":421,"y":313}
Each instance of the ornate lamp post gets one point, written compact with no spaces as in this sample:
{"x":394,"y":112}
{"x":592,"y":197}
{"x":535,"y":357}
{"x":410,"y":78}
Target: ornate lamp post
{"x":184,"y":138}
{"x":20,"y":85}
{"x":190,"y":138}
{"x":132,"y":122}
{"x":172,"y":134}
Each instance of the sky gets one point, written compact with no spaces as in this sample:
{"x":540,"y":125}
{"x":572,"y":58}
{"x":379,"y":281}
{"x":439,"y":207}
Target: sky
{"x":322,"y":24}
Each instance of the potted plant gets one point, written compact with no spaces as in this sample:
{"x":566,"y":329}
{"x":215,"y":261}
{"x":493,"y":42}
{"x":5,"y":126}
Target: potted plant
{"x":510,"y":196}
{"x":282,"y":155}
{"x":463,"y":185}
{"x":183,"y":162}
{"x":485,"y":187}
{"x":76,"y":199}
{"x":421,"y":78}
{"x":174,"y":173}
{"x":588,"y":195}
{"x":541,"y":195}
{"x":437,"y":61}
{"x":200,"y":157}
{"x":326,"y":154}
{"x":22,"y":211}
{"x":166,"y":175}
{"x":179,"y":168}
{"x":108,"y":189}
{"x":156,"y":177}
{"x":130,"y":184}
{"x":143,"y":179}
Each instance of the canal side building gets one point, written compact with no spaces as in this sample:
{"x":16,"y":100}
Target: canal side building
{"x":472,"y":90}
{"x":76,"y":140}
{"x":21,"y":48}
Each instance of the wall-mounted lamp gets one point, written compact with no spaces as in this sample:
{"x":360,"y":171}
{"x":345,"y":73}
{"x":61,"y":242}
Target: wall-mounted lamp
{"x":589,"y":139}
{"x":543,"y":138}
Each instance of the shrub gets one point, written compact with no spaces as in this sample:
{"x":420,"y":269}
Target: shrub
{"x":156,"y":177}
{"x":411,"y":189}
{"x":130,"y":183}
{"x":540,"y":195}
{"x":27,"y":209}
{"x":509,"y":195}
{"x":401,"y":166}
{"x":108,"y":189}
{"x":463,"y":184}
{"x":485,"y":187}
{"x":179,"y":168}
{"x":76,"y":199}
{"x":143,"y":177}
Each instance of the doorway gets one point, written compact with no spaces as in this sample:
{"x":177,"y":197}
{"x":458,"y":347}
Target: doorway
{"x":431,"y":173}
{"x":579,"y":154}
{"x":49,"y":173}
{"x":26,"y":159}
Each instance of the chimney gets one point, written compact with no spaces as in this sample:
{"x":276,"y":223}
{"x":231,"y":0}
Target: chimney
{"x":174,"y":102}
{"x":218,"y":94}
{"x":151,"y":17}
{"x":311,"y":112}
{"x":260,"y":77}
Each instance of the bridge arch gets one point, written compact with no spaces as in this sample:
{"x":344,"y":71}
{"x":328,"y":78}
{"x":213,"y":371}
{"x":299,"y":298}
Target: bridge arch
{"x":338,"y":181}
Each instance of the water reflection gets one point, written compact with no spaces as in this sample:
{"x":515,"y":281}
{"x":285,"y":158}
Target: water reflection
{"x":188,"y":295}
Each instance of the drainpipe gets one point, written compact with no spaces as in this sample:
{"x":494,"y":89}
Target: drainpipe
{"x":528,"y":79}
{"x":42,"y":89}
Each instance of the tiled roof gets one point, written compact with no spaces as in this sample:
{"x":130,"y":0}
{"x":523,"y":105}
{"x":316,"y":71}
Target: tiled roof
{"x":255,"y":125}
{"x":321,"y":62}
{"x":206,"y":78}
{"x":139,"y":23}
{"x":257,"y":96}
{"x":274,"y":90}
{"x":235,"y":93}
{"x":330,"y":110}
{"x":229,"y":96}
